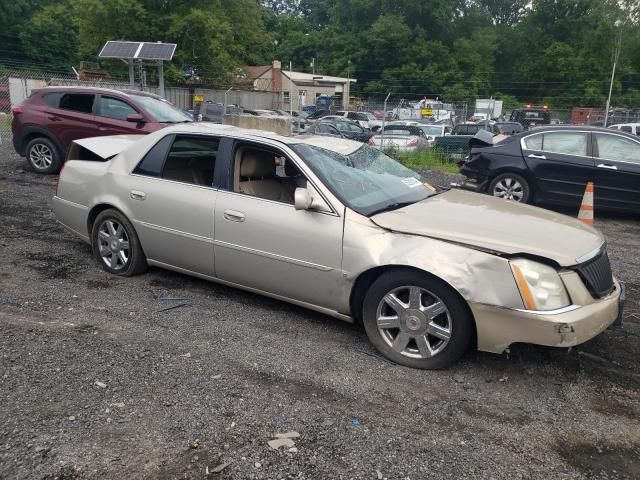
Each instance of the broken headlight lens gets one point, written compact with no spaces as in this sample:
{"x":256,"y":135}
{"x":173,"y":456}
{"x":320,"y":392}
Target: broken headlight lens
{"x":540,"y":286}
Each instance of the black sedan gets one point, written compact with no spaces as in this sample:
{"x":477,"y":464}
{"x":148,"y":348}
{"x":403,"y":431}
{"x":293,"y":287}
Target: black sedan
{"x":553,"y":165}
{"x":340,"y":128}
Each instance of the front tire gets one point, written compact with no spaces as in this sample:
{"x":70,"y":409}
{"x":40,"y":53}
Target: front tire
{"x":510,"y":186}
{"x":43,"y":156}
{"x":116,"y":246}
{"x":416,"y":320}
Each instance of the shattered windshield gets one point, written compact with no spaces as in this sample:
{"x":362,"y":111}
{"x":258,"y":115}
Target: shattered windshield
{"x":365,"y":180}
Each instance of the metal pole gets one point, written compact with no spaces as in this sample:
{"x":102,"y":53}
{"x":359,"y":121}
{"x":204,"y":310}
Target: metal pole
{"x":224,"y":112}
{"x":132,"y":75}
{"x":290,"y":90}
{"x":613,"y":74}
{"x":346,"y":105}
{"x":161,"y":77}
{"x":383,"y":119}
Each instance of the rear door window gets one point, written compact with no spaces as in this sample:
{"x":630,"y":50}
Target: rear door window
{"x":626,"y":128}
{"x":77,"y":102}
{"x":192,"y":159}
{"x":534,"y":142}
{"x":152,"y":163}
{"x":115,"y":108}
{"x":52,"y":99}
{"x":565,"y":143}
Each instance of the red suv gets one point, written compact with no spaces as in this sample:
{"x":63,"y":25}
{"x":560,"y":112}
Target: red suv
{"x":51,"y":118}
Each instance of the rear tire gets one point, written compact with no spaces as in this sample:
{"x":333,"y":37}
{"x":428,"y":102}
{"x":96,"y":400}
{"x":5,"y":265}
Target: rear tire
{"x":510,"y":186}
{"x":43,"y":156}
{"x":416,"y":320}
{"x":116,"y":246}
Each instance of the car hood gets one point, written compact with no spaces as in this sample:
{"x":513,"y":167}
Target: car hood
{"x":495,"y":224}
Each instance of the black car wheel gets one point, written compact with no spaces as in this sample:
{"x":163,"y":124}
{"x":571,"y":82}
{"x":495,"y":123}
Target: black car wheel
{"x":510,"y":186}
{"x":416,"y":320}
{"x":43,"y":156}
{"x":116,"y":246}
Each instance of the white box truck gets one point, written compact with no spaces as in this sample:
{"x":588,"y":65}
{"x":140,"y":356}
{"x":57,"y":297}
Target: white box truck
{"x":487,"y":109}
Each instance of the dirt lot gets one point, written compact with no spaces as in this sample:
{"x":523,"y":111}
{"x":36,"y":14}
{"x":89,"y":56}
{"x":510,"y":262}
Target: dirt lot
{"x":99,"y":380}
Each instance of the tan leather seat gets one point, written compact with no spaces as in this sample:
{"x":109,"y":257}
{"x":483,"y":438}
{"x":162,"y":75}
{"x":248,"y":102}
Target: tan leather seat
{"x":257,"y":176}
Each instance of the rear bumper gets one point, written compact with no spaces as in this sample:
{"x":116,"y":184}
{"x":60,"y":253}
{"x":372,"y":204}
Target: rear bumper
{"x":498,"y":328}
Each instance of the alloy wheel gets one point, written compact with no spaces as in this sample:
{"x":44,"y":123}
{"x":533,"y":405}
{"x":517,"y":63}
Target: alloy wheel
{"x":41,"y":156}
{"x":113,"y":244}
{"x":414,"y":322}
{"x":509,"y":189}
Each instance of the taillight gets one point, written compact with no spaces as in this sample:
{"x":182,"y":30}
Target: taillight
{"x":413,"y":142}
{"x":17,"y":109}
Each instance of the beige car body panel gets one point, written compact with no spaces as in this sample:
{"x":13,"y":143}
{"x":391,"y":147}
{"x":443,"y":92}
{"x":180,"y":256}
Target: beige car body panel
{"x":314,"y":258}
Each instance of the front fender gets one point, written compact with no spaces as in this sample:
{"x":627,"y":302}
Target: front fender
{"x":478,"y":276}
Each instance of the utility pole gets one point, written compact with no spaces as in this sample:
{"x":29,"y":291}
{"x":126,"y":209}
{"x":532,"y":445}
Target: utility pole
{"x":348,"y":89}
{"x":383,"y":119}
{"x":616,"y":56}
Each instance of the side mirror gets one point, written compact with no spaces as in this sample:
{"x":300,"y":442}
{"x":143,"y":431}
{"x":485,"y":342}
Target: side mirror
{"x":302,"y":199}
{"x":135,"y":118}
{"x":309,"y":199}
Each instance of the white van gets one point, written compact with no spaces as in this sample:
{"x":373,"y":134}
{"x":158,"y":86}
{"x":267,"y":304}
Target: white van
{"x":633,"y":128}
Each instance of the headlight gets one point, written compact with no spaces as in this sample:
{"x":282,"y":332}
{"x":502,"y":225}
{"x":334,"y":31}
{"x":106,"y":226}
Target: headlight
{"x":540,"y":285}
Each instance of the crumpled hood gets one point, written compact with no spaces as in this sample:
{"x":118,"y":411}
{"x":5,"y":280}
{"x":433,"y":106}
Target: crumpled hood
{"x":495,"y":224}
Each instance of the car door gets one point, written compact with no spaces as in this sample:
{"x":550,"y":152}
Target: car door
{"x":560,"y":163}
{"x":264,"y":243}
{"x":617,"y":180}
{"x":73,"y":118}
{"x":111,"y":117}
{"x":172,"y":198}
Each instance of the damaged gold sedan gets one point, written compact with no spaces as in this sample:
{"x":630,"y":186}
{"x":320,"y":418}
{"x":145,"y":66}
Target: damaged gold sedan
{"x":339,"y":227}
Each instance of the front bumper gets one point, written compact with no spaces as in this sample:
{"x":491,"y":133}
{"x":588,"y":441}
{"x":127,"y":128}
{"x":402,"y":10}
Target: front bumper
{"x":498,"y":327}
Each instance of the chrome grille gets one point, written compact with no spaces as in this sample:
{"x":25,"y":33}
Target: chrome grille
{"x":596,"y":274}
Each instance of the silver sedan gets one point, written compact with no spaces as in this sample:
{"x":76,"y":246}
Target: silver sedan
{"x":338,"y":227}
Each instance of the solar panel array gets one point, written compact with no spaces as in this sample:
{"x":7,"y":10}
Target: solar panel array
{"x":119,"y":49}
{"x":139,"y":50}
{"x":157,"y":51}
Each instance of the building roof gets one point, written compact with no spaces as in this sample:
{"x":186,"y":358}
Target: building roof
{"x":300,"y":77}
{"x":255,"y":72}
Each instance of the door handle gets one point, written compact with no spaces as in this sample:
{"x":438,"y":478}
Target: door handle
{"x":54,"y":118}
{"x":137,"y":195}
{"x":102,"y":129}
{"x":234,"y":216}
{"x":540,"y":157}
{"x":607,"y":166}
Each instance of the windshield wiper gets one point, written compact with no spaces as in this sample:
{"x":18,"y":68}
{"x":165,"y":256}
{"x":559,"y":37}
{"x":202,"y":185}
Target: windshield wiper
{"x":179,"y":121}
{"x":392,"y":206}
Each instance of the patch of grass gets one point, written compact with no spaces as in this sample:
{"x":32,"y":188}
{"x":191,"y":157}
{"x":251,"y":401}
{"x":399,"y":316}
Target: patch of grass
{"x":5,"y":123}
{"x":425,"y":160}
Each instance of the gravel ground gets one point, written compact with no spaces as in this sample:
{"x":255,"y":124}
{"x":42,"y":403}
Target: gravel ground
{"x":97,"y":381}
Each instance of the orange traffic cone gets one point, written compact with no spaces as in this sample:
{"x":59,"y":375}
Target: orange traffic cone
{"x":586,"y":209}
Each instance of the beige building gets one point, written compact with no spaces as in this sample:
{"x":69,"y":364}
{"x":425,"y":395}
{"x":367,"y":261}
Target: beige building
{"x":296,"y":89}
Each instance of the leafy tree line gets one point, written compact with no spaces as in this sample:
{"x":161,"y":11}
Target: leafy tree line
{"x":557,"y":52}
